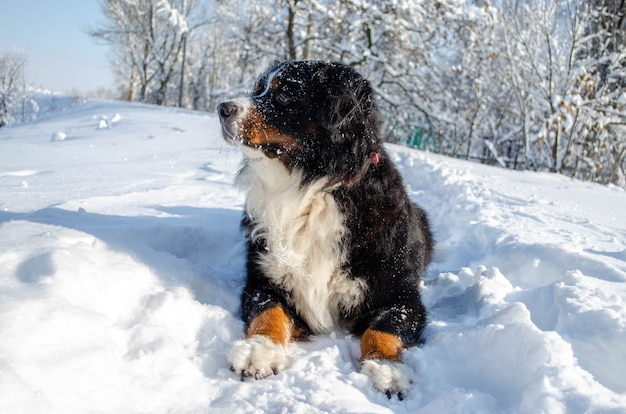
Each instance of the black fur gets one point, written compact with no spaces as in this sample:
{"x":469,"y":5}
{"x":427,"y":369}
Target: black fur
{"x":330,"y":111}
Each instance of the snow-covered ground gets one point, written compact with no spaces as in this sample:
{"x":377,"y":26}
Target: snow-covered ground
{"x":121,"y":264}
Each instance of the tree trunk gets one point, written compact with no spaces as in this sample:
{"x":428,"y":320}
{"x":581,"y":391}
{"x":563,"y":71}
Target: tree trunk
{"x":290,"y":25}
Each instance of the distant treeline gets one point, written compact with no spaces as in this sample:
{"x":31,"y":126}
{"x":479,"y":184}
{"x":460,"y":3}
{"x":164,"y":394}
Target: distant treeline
{"x":527,"y":85}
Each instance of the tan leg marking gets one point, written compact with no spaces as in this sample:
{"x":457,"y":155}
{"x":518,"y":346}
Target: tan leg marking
{"x":379,"y":345}
{"x":273,"y":323}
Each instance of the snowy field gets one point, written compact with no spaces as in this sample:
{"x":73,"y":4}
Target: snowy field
{"x":121,"y":265}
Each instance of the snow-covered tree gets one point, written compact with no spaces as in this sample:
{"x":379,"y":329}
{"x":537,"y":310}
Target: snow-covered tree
{"x":12,"y":93}
{"x":568,"y":83}
{"x":148,"y":38}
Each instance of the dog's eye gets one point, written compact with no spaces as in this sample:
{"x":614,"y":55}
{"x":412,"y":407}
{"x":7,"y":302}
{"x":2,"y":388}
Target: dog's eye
{"x":283,"y":98}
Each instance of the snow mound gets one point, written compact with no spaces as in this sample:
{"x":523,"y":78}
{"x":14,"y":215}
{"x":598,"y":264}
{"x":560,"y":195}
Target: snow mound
{"x":121,"y":265}
{"x":58,"y":136}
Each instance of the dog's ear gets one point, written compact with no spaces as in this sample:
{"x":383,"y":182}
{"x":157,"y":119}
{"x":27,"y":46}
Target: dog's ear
{"x":349,"y":114}
{"x":349,"y":105}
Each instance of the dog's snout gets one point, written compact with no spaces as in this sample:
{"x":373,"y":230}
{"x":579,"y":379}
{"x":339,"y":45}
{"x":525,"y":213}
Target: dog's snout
{"x":227,"y":109}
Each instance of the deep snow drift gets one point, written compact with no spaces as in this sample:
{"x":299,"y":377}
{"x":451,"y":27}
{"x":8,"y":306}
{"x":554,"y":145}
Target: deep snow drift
{"x":121,"y":265}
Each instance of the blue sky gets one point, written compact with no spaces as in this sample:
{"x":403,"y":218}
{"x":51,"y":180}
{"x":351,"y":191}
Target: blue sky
{"x":60,"y":55}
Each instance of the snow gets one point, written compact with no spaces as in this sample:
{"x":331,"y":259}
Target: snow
{"x":121,"y":265}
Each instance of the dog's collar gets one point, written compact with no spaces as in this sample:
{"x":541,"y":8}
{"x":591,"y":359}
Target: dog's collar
{"x":374,"y":158}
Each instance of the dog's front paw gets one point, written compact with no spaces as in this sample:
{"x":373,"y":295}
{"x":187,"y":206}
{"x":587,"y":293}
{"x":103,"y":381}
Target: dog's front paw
{"x":257,"y":357}
{"x":388,"y":376}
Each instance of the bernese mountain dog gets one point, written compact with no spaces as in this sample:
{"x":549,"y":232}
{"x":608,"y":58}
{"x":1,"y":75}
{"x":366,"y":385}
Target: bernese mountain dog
{"x":333,"y":241}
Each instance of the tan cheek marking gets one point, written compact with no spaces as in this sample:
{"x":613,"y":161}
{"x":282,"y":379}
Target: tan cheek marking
{"x":257,"y":133}
{"x":380,"y":345}
{"x":273,"y":323}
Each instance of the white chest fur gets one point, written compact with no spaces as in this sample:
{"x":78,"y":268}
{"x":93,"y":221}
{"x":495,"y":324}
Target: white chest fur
{"x":303,"y":230}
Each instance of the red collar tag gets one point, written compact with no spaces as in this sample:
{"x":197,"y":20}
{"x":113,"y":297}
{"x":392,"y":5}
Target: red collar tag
{"x":374,"y":158}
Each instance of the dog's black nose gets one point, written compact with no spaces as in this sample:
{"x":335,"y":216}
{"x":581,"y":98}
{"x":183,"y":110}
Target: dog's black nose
{"x":226,"y":109}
